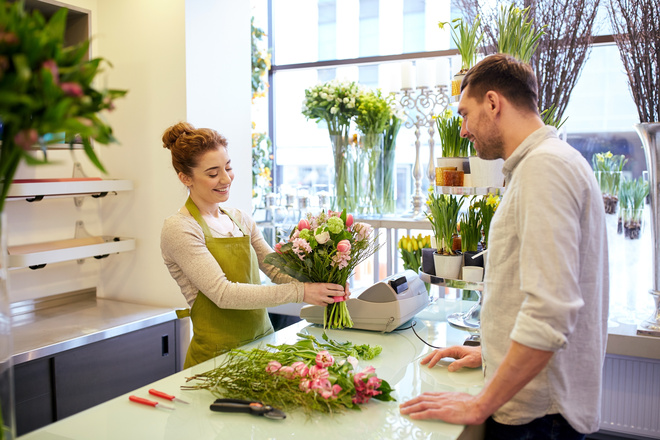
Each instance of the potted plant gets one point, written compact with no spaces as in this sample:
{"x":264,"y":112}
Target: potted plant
{"x":467,"y":40}
{"x":607,"y":168}
{"x":453,"y":167}
{"x":487,"y":207}
{"x":635,"y":191}
{"x":470,"y":231}
{"x":443,"y":215}
{"x":516,"y":33}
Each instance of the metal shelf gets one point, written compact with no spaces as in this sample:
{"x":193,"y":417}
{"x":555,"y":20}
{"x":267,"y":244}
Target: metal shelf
{"x":456,"y":284}
{"x":37,"y":189}
{"x":469,"y":190}
{"x":37,"y":260}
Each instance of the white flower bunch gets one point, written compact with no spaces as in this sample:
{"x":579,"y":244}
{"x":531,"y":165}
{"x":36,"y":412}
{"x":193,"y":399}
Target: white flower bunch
{"x":334,"y":102}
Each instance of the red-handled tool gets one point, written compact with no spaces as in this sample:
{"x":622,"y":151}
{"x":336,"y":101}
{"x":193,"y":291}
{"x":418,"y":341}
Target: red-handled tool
{"x":163,"y":395}
{"x":137,"y":399}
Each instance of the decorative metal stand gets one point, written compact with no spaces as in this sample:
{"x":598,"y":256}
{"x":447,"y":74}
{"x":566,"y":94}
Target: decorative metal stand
{"x":420,"y":106}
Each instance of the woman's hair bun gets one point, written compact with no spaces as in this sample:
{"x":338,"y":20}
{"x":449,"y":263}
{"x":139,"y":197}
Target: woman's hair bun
{"x":173,"y":133}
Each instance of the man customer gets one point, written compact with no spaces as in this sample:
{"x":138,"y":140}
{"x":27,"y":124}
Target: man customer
{"x":545,"y":301}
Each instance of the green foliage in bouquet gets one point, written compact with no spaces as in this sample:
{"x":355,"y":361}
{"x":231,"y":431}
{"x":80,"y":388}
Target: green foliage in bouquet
{"x":374,"y":111}
{"x":310,"y":375}
{"x":325,"y":249}
{"x":449,"y":131}
{"x":517,"y":35}
{"x":443,"y":215}
{"x":46,"y":90}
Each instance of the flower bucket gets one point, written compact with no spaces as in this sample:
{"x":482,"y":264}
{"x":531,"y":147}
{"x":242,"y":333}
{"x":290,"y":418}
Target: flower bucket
{"x":486,"y":173}
{"x":448,"y":266}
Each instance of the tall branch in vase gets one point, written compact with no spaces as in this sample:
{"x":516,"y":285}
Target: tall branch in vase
{"x":636,"y":26}
{"x":562,"y":51}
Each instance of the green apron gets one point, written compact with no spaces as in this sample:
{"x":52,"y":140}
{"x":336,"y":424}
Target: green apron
{"x":217,"y":330}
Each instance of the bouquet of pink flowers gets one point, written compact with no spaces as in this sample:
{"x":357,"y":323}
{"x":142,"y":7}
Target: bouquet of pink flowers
{"x":325,"y":249}
{"x":311,"y":375}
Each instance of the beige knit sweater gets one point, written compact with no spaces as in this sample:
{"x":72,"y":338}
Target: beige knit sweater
{"x":194,"y":269}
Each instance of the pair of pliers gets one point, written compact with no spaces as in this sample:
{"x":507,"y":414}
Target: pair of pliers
{"x":253,"y":407}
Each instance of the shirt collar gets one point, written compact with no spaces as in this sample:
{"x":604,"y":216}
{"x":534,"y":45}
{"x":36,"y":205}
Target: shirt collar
{"x":530,"y":142}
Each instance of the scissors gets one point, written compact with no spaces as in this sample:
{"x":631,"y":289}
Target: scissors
{"x":253,"y":407}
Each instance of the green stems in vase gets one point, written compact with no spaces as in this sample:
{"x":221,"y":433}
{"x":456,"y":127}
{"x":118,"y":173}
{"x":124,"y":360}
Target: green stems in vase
{"x":389,"y":167}
{"x":607,"y":169}
{"x":632,"y":196}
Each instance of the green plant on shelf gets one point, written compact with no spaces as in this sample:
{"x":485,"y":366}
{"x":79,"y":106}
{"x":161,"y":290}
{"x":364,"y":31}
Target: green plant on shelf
{"x":449,"y":132}
{"x":467,"y":39}
{"x":517,"y":35}
{"x":470,"y":229}
{"x":443,"y":215}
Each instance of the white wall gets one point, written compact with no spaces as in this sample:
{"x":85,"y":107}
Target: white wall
{"x":145,"y":40}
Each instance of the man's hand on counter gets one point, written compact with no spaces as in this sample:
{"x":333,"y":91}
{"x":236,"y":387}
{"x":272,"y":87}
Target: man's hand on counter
{"x":465,"y":356}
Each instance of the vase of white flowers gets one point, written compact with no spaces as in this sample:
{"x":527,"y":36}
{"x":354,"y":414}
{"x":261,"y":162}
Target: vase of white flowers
{"x":335,"y":103}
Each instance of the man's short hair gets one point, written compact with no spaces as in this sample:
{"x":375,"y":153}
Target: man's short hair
{"x":506,"y":75}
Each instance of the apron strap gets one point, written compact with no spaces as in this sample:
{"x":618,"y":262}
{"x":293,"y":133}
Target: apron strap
{"x":194,"y":211}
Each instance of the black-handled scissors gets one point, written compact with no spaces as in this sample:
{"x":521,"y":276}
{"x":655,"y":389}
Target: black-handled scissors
{"x":253,"y":407}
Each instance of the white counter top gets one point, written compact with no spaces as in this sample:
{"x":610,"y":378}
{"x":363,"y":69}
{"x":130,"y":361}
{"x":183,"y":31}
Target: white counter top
{"x":398,"y":364}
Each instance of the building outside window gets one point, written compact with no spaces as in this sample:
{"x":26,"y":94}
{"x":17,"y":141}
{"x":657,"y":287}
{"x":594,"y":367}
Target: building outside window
{"x":365,"y":40}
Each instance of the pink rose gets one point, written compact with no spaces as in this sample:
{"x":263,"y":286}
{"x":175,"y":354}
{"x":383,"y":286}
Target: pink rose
{"x":72,"y":89}
{"x":349,"y":220}
{"x":303,"y":224}
{"x":344,"y":246}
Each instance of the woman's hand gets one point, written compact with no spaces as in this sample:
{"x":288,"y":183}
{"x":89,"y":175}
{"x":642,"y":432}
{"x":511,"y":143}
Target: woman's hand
{"x":322,"y":294}
{"x":465,"y":357}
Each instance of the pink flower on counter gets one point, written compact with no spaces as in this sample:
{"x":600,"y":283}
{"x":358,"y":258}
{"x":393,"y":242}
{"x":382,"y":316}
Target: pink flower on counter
{"x":300,"y":369}
{"x":273,"y":367}
{"x":366,"y":385}
{"x":287,"y":372}
{"x":303,"y":224}
{"x":344,"y":246}
{"x":324,"y":359}
{"x":72,"y":89}
{"x":316,"y":373}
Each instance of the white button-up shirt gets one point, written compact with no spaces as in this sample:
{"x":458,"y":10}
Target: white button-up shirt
{"x":546,"y":281}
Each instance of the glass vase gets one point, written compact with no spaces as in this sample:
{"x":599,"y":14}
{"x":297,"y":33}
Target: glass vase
{"x":343,"y":189}
{"x":7,"y":420}
{"x":369,"y":173}
{"x":632,"y":222}
{"x":649,"y":133}
{"x":389,"y":182}
{"x":609,"y":182}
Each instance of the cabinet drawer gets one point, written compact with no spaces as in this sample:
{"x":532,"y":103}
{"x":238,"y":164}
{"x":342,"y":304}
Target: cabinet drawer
{"x":93,"y":374}
{"x":34,"y":398}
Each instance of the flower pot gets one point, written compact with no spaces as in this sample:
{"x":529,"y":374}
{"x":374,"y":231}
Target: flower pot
{"x":486,"y":173}
{"x":469,"y":261}
{"x":473,"y":274}
{"x":448,"y":266}
{"x":609,"y":183}
{"x":456,"y":84}
{"x":428,"y":265}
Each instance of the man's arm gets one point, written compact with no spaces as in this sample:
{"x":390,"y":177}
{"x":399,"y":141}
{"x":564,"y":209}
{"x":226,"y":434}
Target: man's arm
{"x":520,"y":365}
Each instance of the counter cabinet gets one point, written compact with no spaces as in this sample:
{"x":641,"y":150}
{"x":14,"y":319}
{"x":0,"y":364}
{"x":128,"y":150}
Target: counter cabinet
{"x":54,"y":387}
